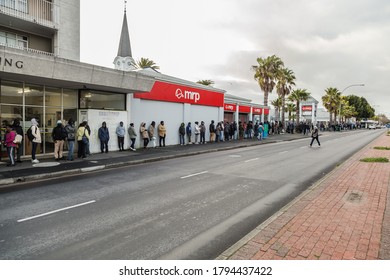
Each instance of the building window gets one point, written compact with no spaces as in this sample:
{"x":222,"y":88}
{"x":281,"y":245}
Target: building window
{"x":18,"y":5}
{"x":90,"y":99}
{"x":13,"y":40}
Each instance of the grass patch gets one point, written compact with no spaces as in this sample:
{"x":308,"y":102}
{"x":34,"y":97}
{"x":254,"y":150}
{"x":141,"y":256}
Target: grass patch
{"x":382,"y":148}
{"x":379,"y":159}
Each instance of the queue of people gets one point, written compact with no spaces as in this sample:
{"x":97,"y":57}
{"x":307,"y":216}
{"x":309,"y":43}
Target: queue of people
{"x":65,"y":136}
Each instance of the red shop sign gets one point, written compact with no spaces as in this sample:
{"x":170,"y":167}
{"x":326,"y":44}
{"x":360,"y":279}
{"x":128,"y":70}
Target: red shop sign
{"x":230,"y":107}
{"x":163,"y":91}
{"x":307,"y":108}
{"x":266,"y":111}
{"x":257,"y":111}
{"x":244,"y":109}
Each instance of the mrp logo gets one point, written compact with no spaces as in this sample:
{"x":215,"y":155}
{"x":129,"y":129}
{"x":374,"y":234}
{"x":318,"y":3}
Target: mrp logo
{"x":229,"y":107}
{"x":187,"y":95}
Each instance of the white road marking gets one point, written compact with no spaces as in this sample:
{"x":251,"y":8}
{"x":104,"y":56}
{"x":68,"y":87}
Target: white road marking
{"x":283,"y":152}
{"x":55,"y":211}
{"x":192,"y":175}
{"x":253,"y":159}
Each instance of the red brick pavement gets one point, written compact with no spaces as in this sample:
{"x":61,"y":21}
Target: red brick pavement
{"x":343,"y":217}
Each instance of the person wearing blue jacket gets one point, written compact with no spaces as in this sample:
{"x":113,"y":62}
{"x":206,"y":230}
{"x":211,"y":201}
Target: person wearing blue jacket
{"x":189,"y":132}
{"x":104,"y":137}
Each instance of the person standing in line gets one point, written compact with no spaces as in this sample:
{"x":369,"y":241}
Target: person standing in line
{"x":104,"y":137}
{"x":144,"y":134}
{"x":261,"y":131}
{"x":202,"y":129}
{"x":120,"y":132}
{"x":37,"y":139}
{"x":133,"y":136}
{"x":218,"y":132}
{"x":182,"y":133}
{"x":86,"y":145}
{"x":9,"y":143}
{"x":314,"y":136}
{"x":71,"y":133}
{"x":222,"y":129}
{"x":212,"y":132}
{"x":19,"y":147}
{"x":151,"y":130}
{"x":162,"y":133}
{"x":58,"y":135}
{"x":82,"y":140}
{"x":196,"y":132}
{"x":189,"y":132}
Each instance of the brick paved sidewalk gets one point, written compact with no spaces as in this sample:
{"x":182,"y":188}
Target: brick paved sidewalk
{"x":344,"y":216}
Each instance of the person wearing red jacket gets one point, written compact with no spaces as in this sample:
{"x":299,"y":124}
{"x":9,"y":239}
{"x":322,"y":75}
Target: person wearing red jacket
{"x":9,"y":143}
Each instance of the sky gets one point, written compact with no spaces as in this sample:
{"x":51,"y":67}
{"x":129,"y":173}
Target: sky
{"x":326,"y":43}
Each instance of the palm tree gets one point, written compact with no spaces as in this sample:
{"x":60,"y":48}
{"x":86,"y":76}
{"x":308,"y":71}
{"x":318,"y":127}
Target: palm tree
{"x":144,"y":63}
{"x":206,"y":82}
{"x":298,"y":96}
{"x":291,"y":108}
{"x":277,"y":103}
{"x":266,"y":73}
{"x":331,"y":101}
{"x":286,"y":79}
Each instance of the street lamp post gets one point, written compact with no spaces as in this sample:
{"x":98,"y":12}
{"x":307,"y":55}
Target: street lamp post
{"x":354,"y":85}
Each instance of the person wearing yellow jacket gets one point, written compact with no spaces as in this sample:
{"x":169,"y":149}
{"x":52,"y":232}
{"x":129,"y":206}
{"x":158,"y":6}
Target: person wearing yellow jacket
{"x":82,"y":140}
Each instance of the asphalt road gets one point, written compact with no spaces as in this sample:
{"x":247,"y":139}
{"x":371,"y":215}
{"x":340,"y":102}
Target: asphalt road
{"x":185,"y":208}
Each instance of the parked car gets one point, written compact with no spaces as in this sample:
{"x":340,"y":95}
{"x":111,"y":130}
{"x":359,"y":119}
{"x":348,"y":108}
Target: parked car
{"x":372,"y":126}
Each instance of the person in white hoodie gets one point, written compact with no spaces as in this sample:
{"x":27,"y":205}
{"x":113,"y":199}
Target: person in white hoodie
{"x":37,"y":139}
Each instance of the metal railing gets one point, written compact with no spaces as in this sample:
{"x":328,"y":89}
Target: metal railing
{"x":27,"y":49}
{"x":38,"y":11}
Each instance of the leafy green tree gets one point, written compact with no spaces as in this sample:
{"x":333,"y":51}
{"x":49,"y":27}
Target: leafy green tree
{"x":266,"y":72}
{"x":362,"y":107}
{"x":144,"y":63}
{"x":298,"y":96}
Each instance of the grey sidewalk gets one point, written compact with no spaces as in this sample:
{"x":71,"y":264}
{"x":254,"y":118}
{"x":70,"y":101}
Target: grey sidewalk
{"x":49,"y":168}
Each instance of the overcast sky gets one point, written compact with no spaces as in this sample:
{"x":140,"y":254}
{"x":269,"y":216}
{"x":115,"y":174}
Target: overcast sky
{"x":327,"y":43}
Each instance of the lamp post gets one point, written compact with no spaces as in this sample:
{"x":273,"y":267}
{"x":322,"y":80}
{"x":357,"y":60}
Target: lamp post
{"x":354,"y":85}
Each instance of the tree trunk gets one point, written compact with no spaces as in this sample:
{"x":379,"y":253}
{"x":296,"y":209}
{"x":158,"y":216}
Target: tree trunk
{"x":266,"y":104}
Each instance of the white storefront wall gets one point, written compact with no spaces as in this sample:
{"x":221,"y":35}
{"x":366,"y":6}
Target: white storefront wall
{"x":173,"y":114}
{"x":112,"y":119}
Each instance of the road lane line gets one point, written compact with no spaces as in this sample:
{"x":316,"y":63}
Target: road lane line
{"x":55,"y":211}
{"x":253,"y":159}
{"x":192,"y":175}
{"x":283,"y":152}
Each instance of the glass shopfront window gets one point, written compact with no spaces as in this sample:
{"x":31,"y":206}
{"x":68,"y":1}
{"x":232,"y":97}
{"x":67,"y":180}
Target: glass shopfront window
{"x":11,"y":93}
{"x":90,"y":99}
{"x":33,"y":95}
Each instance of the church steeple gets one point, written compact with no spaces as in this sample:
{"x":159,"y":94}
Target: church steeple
{"x":124,"y":60}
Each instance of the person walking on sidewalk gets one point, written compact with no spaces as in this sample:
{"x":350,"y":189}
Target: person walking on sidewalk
{"x":120,"y":132}
{"x":162,"y":133}
{"x":59,"y":135}
{"x":151,"y":131}
{"x":314,"y":136}
{"x":133,"y":136}
{"x":71,"y":138}
{"x":104,"y":137}
{"x":36,"y":134}
{"x":182,"y":133}
{"x":9,"y":143}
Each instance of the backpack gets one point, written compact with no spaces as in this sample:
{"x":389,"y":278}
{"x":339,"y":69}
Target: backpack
{"x":30,"y":136}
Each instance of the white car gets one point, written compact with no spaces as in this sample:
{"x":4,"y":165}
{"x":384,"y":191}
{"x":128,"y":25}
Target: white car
{"x":372,"y":126}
